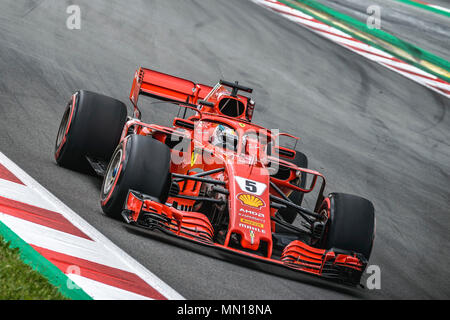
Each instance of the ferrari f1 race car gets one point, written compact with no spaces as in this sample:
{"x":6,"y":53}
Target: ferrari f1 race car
{"x":215,"y":181}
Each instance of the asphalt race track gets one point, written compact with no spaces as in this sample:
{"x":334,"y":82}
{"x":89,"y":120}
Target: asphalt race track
{"x":369,"y":130}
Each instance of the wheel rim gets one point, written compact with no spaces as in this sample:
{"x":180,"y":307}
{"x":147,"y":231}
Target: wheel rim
{"x":112,"y":173}
{"x":62,"y":128}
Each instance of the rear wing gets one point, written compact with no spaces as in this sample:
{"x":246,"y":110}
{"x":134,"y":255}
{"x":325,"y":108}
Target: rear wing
{"x":165,"y":87}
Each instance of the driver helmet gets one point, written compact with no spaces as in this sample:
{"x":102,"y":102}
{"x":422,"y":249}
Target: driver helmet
{"x":224,"y":137}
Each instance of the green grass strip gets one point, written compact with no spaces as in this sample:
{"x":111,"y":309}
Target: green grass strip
{"x":379,"y":39}
{"x":426,"y":7}
{"x":38,"y":263}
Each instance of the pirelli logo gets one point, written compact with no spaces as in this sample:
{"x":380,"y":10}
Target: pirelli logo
{"x":252,"y":223}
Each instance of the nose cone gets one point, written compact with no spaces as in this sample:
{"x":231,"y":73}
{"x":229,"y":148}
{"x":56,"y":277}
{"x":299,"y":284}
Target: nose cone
{"x":249,"y":206}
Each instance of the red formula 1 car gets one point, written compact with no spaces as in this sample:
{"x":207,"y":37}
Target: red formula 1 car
{"x":215,"y":181}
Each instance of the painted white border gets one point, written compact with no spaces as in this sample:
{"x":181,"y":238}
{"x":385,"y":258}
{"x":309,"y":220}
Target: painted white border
{"x":347,"y":41}
{"x":129,"y":264}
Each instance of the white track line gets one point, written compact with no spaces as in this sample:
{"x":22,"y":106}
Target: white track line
{"x":374,"y":54}
{"x":108,"y":253}
{"x":439,"y":8}
{"x":61,"y":242}
{"x":101,"y":291}
{"x":21,"y":193}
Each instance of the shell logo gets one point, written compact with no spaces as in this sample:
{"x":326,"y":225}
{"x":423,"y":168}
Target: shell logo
{"x":251,"y":200}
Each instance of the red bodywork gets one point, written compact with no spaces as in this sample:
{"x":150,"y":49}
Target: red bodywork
{"x":247,"y":187}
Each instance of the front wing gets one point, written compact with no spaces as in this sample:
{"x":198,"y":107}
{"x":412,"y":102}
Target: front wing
{"x":194,"y":231}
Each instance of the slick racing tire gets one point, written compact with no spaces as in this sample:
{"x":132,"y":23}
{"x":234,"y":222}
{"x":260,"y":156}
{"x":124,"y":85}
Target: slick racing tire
{"x":350,"y":225}
{"x":139,"y":163}
{"x":91,"y":126}
{"x":289,"y":214}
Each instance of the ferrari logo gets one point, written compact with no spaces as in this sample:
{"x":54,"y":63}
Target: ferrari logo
{"x":252,"y":236}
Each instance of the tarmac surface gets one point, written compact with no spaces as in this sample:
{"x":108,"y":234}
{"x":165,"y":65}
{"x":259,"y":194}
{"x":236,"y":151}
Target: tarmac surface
{"x":369,"y":130}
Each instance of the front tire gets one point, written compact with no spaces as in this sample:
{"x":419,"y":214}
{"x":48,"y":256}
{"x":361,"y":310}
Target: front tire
{"x":139,"y":163}
{"x":351,"y":223}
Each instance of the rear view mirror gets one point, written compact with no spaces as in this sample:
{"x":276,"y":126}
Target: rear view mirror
{"x":183,"y":123}
{"x":285,"y":152}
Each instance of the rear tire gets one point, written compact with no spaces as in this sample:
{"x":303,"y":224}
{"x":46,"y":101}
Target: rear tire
{"x":91,"y":126}
{"x":139,"y":163}
{"x":351,"y":223}
{"x":289,"y":214}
